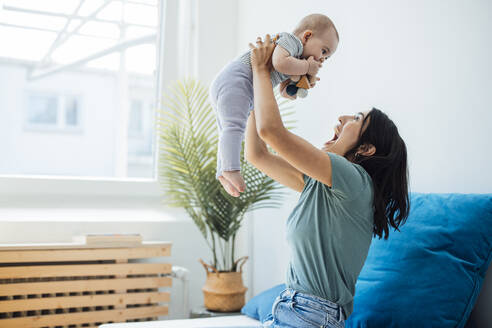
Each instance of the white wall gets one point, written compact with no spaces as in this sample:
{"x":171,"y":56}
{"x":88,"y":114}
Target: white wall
{"x":425,"y":63}
{"x":217,"y":36}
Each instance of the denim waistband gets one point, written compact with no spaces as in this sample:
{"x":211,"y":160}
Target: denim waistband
{"x":318,"y":302}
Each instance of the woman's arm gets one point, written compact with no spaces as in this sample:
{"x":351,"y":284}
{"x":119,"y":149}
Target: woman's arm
{"x":272,"y":165}
{"x":299,"y":153}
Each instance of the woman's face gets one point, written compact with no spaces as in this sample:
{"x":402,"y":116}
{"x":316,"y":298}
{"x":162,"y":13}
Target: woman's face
{"x":347,"y":132}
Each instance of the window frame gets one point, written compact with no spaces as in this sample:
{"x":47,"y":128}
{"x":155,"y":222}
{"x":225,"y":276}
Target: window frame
{"x":18,"y":190}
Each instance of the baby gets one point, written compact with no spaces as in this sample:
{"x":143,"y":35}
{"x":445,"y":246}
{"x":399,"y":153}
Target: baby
{"x":299,"y":53}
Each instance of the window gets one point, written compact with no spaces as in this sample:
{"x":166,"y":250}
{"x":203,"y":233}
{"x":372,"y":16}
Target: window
{"x":42,"y":110}
{"x":69,"y":72}
{"x":52,"y":112}
{"x":140,"y":135}
{"x":71,"y":111}
{"x":135,"y":127}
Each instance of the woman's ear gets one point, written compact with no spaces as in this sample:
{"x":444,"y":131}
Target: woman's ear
{"x":366,"y":150}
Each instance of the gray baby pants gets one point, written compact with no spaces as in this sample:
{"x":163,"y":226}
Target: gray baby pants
{"x":231,"y":95}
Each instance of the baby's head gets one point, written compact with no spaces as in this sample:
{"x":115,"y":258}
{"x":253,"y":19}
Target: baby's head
{"x":318,"y":36}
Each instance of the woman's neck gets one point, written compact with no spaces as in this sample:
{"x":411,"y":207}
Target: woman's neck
{"x":334,"y":148}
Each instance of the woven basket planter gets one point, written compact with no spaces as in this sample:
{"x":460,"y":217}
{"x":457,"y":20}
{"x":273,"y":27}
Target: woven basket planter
{"x":224,"y":291}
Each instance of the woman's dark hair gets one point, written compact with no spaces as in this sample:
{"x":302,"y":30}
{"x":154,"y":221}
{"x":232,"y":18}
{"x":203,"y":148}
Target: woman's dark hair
{"x":388,"y":170}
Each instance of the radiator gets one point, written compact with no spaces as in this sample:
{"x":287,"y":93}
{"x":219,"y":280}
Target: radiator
{"x":76,"y":285}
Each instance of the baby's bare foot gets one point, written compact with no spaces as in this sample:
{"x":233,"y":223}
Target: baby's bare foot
{"x":235,"y":178}
{"x":228,"y":187}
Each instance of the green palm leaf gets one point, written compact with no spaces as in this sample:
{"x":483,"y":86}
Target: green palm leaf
{"x":188,"y":141}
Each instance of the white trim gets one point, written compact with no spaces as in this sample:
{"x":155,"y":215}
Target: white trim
{"x":19,"y":185}
{"x":159,"y":87}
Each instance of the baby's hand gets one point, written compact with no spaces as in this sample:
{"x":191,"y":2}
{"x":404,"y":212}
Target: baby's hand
{"x":295,"y":78}
{"x":314,"y":66}
{"x":312,"y":80}
{"x":233,"y":182}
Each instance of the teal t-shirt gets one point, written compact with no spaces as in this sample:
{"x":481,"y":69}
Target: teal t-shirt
{"x":329,"y":233}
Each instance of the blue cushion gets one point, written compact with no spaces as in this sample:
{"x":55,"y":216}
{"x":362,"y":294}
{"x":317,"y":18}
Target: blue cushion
{"x":260,"y":306}
{"x":430,"y":273}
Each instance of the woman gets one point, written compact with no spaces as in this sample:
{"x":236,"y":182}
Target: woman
{"x":352,"y":189}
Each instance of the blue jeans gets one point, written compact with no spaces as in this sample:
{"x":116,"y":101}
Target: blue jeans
{"x":298,"y":310}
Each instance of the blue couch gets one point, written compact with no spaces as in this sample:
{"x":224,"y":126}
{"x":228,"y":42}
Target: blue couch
{"x":427,"y":275}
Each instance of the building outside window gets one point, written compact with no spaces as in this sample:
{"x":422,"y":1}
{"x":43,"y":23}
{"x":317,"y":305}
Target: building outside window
{"x":52,"y":112}
{"x":78,"y":84}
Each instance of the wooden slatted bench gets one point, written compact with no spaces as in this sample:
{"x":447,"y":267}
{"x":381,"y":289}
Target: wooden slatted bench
{"x":79,"y":285}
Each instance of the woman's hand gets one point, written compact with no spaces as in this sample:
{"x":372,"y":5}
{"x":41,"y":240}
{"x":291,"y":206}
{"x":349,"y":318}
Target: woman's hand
{"x":261,"y":54}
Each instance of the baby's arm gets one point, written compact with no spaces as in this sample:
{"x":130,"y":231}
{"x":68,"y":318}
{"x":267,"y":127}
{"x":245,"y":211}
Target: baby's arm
{"x":284,"y":63}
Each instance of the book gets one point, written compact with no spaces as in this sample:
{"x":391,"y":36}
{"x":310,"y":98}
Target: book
{"x":108,"y":239}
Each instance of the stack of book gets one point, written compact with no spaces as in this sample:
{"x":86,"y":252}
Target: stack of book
{"x":109,"y":239}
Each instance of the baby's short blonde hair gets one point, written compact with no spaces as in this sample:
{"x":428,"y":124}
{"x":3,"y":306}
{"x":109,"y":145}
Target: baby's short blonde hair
{"x":318,"y":23}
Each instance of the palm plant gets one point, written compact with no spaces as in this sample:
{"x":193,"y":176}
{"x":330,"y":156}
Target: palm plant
{"x":187,"y":162}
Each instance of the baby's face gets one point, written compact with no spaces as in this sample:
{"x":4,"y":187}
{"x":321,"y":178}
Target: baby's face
{"x":320,"y":46}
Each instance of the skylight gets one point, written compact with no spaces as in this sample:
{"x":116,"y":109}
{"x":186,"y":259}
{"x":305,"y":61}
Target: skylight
{"x":53,"y":33}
